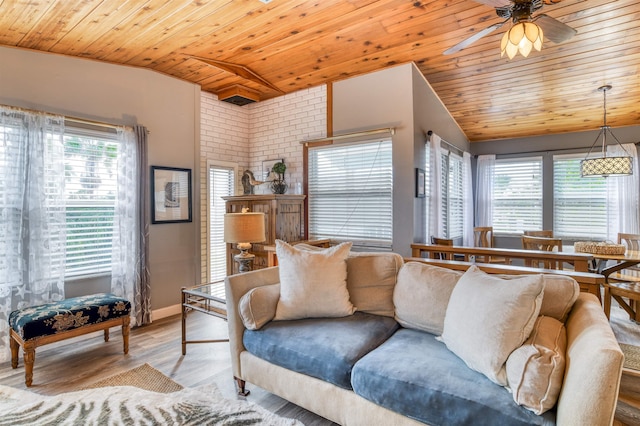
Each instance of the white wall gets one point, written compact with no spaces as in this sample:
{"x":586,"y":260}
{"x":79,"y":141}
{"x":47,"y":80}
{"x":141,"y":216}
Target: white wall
{"x":395,"y":97}
{"x":168,"y":107}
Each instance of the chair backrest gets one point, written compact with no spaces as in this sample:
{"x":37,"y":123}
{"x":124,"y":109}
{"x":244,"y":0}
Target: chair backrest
{"x":544,"y":244}
{"x":483,"y":236}
{"x":547,"y":233}
{"x":632,"y":241}
{"x":442,"y":242}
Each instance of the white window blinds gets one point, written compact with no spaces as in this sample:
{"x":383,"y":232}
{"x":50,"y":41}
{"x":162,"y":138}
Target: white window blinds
{"x":579,"y":204}
{"x":517,"y":195}
{"x":221,"y":184}
{"x":90,"y":193}
{"x":351,"y":193}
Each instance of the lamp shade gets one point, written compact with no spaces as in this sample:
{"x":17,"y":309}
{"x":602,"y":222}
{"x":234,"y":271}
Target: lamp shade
{"x":244,"y":227}
{"x":606,"y":166}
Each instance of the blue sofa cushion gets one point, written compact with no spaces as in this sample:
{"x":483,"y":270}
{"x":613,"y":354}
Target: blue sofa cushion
{"x":325,"y":348}
{"x":414,"y":374}
{"x":67,"y":314}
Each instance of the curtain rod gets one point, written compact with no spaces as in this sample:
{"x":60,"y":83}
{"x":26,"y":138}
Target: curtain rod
{"x":442,"y":141}
{"x":72,"y":119}
{"x":390,"y":130}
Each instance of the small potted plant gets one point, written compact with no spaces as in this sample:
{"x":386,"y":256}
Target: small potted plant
{"x":278,"y":185}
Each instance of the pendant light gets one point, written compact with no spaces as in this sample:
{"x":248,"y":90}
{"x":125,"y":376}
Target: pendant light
{"x":606,"y":166}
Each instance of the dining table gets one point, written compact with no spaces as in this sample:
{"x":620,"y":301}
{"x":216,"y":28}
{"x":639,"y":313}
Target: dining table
{"x":607,"y":264}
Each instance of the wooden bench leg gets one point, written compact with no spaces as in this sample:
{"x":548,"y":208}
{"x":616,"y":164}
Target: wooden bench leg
{"x":29,"y":358}
{"x":14,"y":351}
{"x":125,"y":333}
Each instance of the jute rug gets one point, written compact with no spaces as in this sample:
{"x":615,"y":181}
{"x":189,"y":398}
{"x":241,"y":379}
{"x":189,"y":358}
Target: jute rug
{"x":114,"y":401}
{"x":143,"y":377}
{"x":631,"y":356}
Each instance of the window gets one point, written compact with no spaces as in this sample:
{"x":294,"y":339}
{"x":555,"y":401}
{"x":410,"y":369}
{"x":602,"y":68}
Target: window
{"x":579,"y":204}
{"x":517,"y":195}
{"x":452,"y":195}
{"x":90,"y":169}
{"x":221,"y":184}
{"x":351,"y":193}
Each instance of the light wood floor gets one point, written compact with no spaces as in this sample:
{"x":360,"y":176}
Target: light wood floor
{"x":74,"y":363}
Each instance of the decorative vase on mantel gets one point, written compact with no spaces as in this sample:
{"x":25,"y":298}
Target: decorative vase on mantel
{"x":278,"y":185}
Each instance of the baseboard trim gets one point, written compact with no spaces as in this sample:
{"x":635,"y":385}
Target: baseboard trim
{"x":168,"y":311}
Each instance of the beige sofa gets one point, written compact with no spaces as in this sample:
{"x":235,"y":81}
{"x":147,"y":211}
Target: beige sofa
{"x":593,"y":358}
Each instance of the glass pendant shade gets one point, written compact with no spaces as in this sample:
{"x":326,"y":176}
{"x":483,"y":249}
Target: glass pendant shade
{"x":522,"y":37}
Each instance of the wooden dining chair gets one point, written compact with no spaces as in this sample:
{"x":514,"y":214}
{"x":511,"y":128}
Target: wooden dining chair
{"x":483,"y":237}
{"x":624,"y":286}
{"x":442,"y":242}
{"x":547,"y":233}
{"x":544,"y":244}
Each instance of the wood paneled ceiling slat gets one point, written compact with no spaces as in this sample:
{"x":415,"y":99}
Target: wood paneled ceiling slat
{"x":294,"y":44}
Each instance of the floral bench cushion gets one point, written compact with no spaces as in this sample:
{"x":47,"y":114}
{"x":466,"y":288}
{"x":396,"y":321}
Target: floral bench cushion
{"x":67,"y":314}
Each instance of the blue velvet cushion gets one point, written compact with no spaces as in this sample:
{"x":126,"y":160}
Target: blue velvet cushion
{"x":67,"y":314}
{"x":325,"y":348}
{"x":414,"y":374}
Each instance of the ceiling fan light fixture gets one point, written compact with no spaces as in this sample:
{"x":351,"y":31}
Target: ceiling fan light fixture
{"x":522,"y":37}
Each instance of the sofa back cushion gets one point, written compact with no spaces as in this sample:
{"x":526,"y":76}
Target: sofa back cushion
{"x":560,"y":293}
{"x":422,"y":294}
{"x":371,"y":279}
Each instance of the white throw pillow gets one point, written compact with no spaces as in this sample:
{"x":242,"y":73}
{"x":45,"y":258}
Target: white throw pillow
{"x":258,"y":306}
{"x":536,"y":369}
{"x":488,"y":317}
{"x":313,"y":284}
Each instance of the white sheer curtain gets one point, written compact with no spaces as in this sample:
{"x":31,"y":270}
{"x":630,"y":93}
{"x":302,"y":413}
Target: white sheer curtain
{"x":467,"y":201}
{"x":32,"y":226}
{"x":125,"y":253}
{"x":436,"y":228}
{"x":485,"y":169}
{"x":622,"y":192}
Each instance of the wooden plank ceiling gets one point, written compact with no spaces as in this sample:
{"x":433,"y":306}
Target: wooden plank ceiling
{"x":287,"y":45}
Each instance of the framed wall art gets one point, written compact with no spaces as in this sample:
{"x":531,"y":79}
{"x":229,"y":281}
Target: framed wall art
{"x":420,"y":183}
{"x":170,"y":195}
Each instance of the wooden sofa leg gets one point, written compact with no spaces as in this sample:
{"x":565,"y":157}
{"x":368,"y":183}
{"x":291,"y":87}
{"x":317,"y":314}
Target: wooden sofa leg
{"x":29,"y":359}
{"x":14,"y":351}
{"x":106,"y":334}
{"x":241,"y":387}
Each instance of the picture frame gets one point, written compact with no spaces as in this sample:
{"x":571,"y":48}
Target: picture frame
{"x":267,"y":165}
{"x":170,"y":195}
{"x":420,"y":183}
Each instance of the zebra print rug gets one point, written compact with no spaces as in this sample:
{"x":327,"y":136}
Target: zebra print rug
{"x":128,"y":405}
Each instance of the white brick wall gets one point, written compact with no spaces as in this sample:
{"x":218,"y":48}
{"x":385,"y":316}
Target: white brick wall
{"x":277,"y":126}
{"x":253,"y":133}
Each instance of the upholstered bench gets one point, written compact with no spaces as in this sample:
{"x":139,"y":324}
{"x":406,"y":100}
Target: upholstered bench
{"x":39,"y":325}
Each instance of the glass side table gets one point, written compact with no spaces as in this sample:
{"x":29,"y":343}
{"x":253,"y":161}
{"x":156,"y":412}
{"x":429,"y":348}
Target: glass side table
{"x":207,"y":298}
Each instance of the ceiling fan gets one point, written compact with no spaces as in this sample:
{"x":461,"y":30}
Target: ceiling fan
{"x":520,"y":11}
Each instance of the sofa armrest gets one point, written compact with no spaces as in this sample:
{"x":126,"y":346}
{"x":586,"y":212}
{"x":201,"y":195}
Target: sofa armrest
{"x":594,"y":366}
{"x":237,"y":286}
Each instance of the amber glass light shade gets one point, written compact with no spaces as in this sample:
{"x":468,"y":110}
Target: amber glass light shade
{"x":522,"y":37}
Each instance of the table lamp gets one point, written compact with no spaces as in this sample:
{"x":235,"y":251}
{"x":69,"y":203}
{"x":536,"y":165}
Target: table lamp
{"x":244,"y":228}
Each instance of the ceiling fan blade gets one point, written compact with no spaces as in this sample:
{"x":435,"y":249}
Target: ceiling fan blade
{"x":495,"y":3}
{"x":553,"y":29}
{"x":477,"y":36}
